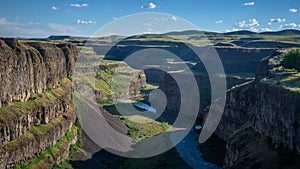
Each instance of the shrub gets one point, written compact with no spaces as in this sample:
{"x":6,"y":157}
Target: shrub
{"x":292,"y":60}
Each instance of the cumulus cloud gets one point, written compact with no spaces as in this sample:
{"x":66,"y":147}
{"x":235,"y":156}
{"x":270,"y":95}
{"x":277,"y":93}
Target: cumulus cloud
{"x":249,"y":4}
{"x":151,"y":5}
{"x":251,"y":24}
{"x":84,"y":22}
{"x":293,"y":10}
{"x":234,"y":29}
{"x":266,"y":29}
{"x":219,"y":21}
{"x":54,"y":8}
{"x":248,"y":24}
{"x":79,"y":5}
{"x":173,"y":18}
{"x":276,"y":20}
{"x":290,"y":25}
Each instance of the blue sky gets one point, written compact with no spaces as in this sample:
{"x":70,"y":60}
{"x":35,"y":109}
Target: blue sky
{"x":36,"y":18}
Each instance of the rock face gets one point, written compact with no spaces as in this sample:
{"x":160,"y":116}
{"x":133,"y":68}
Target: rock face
{"x":34,"y":142}
{"x":20,"y":122}
{"x":35,"y":109}
{"x":112,"y":72}
{"x":28,"y":68}
{"x":261,"y":120}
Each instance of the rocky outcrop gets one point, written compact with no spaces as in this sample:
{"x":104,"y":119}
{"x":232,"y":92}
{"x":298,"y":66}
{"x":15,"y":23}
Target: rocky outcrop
{"x":238,"y":59}
{"x":36,"y":140}
{"x":32,"y":67}
{"x":18,"y":118}
{"x":260,"y":121}
{"x":113,"y":80}
{"x":35,"y":108}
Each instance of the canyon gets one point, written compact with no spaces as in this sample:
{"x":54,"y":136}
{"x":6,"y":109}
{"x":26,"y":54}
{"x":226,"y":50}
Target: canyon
{"x":39,"y":127}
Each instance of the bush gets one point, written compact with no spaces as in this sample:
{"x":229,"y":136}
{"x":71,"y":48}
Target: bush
{"x":292,"y":60}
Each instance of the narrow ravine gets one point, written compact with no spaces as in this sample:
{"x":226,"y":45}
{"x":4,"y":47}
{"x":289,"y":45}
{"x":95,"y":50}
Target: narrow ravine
{"x":189,"y":152}
{"x":187,"y":148}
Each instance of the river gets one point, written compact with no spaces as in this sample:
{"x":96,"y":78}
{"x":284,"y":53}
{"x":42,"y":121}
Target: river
{"x":188,"y":147}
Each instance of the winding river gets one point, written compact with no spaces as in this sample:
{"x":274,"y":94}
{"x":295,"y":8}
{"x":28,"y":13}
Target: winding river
{"x":187,"y":148}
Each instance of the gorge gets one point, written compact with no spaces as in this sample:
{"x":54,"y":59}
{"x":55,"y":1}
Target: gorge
{"x":39,"y":127}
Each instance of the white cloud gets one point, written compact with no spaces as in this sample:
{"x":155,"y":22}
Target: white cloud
{"x":249,"y":4}
{"x":266,"y":29}
{"x":173,"y":18}
{"x":79,"y":5}
{"x":290,"y":25}
{"x":276,"y":20}
{"x":151,"y":5}
{"x":234,"y":29}
{"x":293,"y":10}
{"x":54,"y":8}
{"x":219,"y":21}
{"x":251,"y":23}
{"x":84,"y":22}
{"x":253,"y":29}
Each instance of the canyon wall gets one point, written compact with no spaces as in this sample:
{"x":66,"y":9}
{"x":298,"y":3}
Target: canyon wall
{"x":261,"y":122}
{"x":35,"y":108}
{"x":32,"y":67}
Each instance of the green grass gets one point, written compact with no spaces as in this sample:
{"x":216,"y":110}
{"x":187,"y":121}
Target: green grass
{"x":141,"y":127}
{"x":288,"y":75}
{"x":107,"y":81}
{"x":74,"y":150}
{"x":48,"y":97}
{"x":292,"y":60}
{"x":106,"y":102}
{"x":46,"y":159}
{"x":148,"y":86}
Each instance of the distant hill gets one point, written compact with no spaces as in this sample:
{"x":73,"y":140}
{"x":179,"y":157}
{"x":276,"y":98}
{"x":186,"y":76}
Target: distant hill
{"x":58,"y":37}
{"x":283,"y":32}
{"x":190,"y":32}
{"x":241,"y":32}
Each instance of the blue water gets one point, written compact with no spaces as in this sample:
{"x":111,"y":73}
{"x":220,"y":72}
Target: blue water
{"x":189,"y":152}
{"x":187,"y":148}
{"x":144,"y":106}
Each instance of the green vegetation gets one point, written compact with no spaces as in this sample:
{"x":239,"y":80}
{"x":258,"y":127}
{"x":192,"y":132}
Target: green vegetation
{"x":148,"y":86}
{"x":74,"y":150}
{"x":292,"y":60}
{"x":141,"y":127}
{"x":106,"y":102}
{"x":45,"y":159}
{"x":111,"y":79}
{"x":289,"y":77}
{"x":16,"y":109}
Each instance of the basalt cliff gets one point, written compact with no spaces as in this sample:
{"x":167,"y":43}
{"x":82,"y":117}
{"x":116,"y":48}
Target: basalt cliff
{"x":36,"y":115}
{"x":261,"y":120}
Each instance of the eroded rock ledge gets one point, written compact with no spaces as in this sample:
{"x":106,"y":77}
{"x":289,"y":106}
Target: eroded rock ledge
{"x":35,"y":106}
{"x":261,"y":122}
{"x":31,"y":67}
